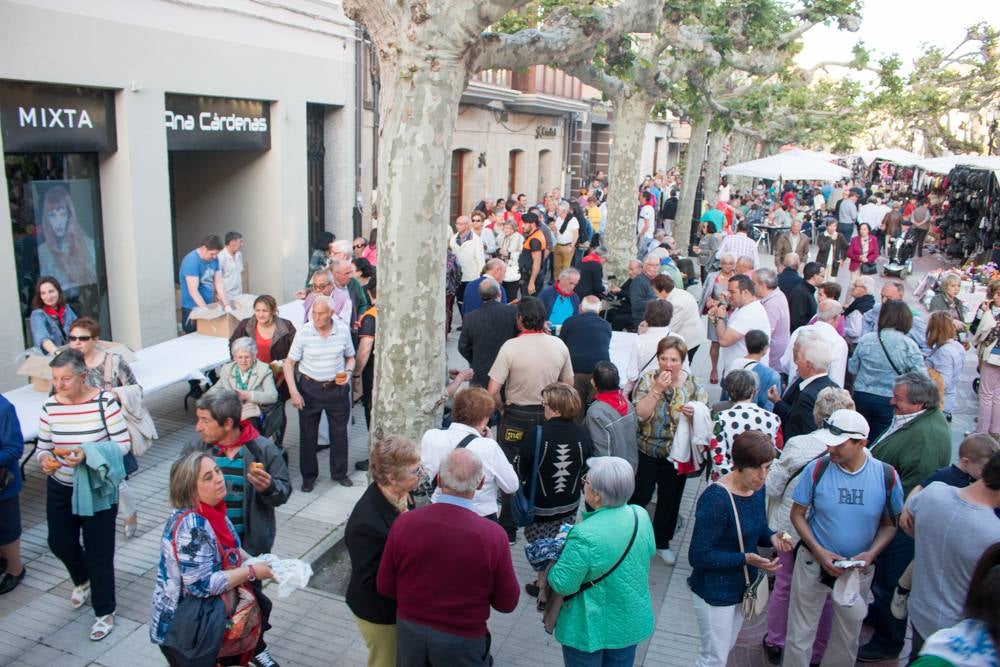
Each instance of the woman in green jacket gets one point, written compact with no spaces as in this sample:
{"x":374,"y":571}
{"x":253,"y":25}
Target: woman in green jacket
{"x":601,"y":622}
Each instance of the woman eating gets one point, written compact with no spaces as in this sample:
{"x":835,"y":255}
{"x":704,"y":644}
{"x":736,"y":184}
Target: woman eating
{"x":82,"y":425}
{"x":51,"y":318}
{"x":662,"y":397}
{"x":200,"y":553}
{"x":395,"y":469}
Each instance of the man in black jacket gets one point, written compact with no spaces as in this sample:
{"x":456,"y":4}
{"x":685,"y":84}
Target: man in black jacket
{"x":588,"y":337}
{"x":812,"y":357}
{"x":789,"y":277}
{"x":485,"y":330}
{"x":641,"y":291}
{"x":802,"y":299}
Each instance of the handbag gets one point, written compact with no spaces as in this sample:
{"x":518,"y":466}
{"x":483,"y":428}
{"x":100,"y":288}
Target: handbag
{"x":129,"y":461}
{"x":868,"y":268}
{"x":555,"y":602}
{"x":755,"y":593}
{"x":522,"y":509}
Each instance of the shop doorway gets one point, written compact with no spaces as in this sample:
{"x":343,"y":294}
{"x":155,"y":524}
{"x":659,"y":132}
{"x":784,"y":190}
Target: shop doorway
{"x":545,"y":180}
{"x":55,"y":211}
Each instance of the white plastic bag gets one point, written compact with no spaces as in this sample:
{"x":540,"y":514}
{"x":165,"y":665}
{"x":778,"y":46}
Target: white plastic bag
{"x":290,"y":573}
{"x":847,"y":588}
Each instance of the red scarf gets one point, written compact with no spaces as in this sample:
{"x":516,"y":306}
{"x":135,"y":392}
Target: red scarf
{"x":58,"y":313}
{"x":216,"y":517}
{"x":615,"y":398}
{"x":560,"y":292}
{"x":247,"y":433}
{"x":593,"y":257}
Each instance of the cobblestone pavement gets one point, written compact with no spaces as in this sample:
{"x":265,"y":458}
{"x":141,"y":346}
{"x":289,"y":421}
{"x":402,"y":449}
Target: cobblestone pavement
{"x":311,"y":627}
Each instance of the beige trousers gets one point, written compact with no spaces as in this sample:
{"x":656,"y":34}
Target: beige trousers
{"x":381,"y":642}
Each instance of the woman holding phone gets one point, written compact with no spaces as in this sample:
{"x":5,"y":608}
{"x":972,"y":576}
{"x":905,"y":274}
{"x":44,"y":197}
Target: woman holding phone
{"x":664,"y":394}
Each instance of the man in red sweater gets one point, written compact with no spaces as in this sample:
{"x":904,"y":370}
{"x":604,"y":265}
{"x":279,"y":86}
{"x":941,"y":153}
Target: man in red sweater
{"x":446,"y":566}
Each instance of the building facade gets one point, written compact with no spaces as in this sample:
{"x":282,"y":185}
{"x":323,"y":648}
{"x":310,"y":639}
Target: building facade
{"x":139,"y":128}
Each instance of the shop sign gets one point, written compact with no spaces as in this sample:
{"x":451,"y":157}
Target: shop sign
{"x":546,"y":132}
{"x":41,"y":118}
{"x":216,"y":123}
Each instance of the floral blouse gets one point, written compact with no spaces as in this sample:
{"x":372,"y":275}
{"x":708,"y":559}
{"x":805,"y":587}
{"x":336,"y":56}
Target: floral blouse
{"x":729,"y":424}
{"x":199,"y":562}
{"x":656,"y":434}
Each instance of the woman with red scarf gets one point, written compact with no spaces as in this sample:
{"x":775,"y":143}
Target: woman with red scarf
{"x":51,"y":318}
{"x":200,"y":553}
{"x":611,"y":419}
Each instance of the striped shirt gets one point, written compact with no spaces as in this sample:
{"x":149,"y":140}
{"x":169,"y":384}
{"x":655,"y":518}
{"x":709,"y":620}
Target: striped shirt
{"x":233,"y":469}
{"x":321,"y":357}
{"x":72,"y":424}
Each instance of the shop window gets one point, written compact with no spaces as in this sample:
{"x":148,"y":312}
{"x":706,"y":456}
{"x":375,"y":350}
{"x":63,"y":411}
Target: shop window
{"x":56,"y":216}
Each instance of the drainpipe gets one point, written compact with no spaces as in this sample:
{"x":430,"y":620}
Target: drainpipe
{"x":359,"y":45}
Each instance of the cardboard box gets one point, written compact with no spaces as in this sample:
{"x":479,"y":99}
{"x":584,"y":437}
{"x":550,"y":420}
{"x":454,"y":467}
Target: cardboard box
{"x":213,"y":320}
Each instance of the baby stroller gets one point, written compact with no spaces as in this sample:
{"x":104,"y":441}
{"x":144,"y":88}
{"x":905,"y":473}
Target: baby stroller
{"x":900,"y":254}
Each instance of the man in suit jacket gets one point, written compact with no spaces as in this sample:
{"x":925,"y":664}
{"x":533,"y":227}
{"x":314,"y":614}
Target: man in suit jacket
{"x":792,"y":241}
{"x":444,"y":557}
{"x":485,"y":330}
{"x":795,"y":408}
{"x":802,"y":301}
{"x":588,"y":337}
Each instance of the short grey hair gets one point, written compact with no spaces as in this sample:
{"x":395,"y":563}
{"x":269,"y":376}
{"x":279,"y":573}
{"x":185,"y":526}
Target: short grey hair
{"x":634,"y":262}
{"x":899,"y":287}
{"x":493,"y":263}
{"x":766,"y":277}
{"x":590,"y":304}
{"x":326,"y":273}
{"x":792,"y":260}
{"x":488,"y":289}
{"x":343,"y":246}
{"x":746,"y":259}
{"x":461,"y":471}
{"x":612,"y":477}
{"x":244,"y":343}
{"x":920,"y":389}
{"x":829,"y":401}
{"x":70,"y":358}
{"x":814,"y":349}
{"x":829,"y":311}
{"x":222,"y":404}
{"x":949,"y":279}
{"x":568,"y":272}
{"x":868,"y":282}
{"x":324,"y":299}
{"x":741,"y":385}
{"x":728,"y":257}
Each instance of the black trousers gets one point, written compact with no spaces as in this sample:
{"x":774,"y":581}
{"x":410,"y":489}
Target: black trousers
{"x":517,"y":424}
{"x":367,"y":385}
{"x":511,"y":287}
{"x":661,"y":475}
{"x":918,"y":240}
{"x":422,"y":646}
{"x":94,"y":561}
{"x":335,"y":400}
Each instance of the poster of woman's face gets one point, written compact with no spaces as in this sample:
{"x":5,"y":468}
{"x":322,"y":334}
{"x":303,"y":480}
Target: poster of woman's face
{"x":65,"y":241}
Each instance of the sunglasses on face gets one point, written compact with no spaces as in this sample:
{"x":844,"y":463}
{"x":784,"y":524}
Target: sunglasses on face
{"x":358,"y":246}
{"x":81,"y":339}
{"x":319,"y":287}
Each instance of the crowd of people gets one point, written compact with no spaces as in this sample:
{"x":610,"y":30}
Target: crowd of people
{"x":831,"y":491}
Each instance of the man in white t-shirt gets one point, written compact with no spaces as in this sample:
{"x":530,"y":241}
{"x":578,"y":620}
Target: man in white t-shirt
{"x":231,"y":265}
{"x":748,"y":315}
{"x":646,"y":224}
{"x":567,"y":230}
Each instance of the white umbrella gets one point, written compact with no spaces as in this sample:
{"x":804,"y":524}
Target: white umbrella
{"x":821,"y":155}
{"x":789,"y":166}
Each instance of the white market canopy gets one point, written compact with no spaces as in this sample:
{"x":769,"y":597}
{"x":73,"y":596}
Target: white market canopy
{"x":822,"y":155}
{"x":895,"y":155}
{"x":789,"y":166}
{"x":943,"y":165}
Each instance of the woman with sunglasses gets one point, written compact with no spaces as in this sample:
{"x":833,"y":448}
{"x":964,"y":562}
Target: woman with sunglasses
{"x":105,"y":370}
{"x":662,"y":397}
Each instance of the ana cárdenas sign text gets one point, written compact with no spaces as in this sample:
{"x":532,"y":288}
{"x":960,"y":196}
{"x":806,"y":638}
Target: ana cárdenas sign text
{"x":216,"y":123}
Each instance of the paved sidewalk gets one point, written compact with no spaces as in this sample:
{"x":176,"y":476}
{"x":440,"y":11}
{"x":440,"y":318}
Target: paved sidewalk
{"x":311,"y":627}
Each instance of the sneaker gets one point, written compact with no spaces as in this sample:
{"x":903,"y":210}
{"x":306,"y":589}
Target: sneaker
{"x":512,"y":538}
{"x":899,"y":599}
{"x":263,"y":659}
{"x":668,"y":556}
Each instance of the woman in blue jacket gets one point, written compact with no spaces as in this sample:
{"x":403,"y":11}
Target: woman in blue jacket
{"x":52,"y":318}
{"x":11,"y":449}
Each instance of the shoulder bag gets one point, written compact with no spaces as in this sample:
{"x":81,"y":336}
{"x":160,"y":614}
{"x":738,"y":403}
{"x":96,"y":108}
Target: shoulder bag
{"x":522,"y":508}
{"x":129,"y":462}
{"x":555,"y":601}
{"x":755,"y":593}
{"x":886,"y":353}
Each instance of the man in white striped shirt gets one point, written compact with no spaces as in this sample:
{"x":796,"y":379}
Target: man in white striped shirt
{"x":325,"y":356}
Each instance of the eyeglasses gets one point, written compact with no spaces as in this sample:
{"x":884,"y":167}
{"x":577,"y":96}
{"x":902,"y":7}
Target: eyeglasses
{"x":82,"y":339}
{"x":358,"y":246}
{"x":319,"y":287}
{"x":836,"y":430}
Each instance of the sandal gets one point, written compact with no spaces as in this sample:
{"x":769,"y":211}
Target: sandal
{"x":79,"y":595}
{"x":102,"y":627}
{"x":130,"y":525}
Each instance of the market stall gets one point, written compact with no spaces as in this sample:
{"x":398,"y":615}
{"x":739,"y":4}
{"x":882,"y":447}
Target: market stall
{"x":970,"y":224}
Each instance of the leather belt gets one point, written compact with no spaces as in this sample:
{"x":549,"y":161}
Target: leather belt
{"x":322,"y":383}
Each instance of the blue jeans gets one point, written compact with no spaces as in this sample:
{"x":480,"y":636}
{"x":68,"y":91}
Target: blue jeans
{"x":609,"y":657}
{"x":890,"y":632}
{"x":877,"y":410}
